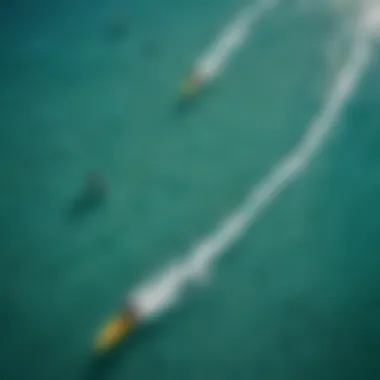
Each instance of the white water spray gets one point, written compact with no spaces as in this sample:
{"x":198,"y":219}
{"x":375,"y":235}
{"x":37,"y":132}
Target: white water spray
{"x":214,"y":60}
{"x":163,"y":291}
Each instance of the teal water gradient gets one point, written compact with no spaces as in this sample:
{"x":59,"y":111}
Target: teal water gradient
{"x":295,"y":298}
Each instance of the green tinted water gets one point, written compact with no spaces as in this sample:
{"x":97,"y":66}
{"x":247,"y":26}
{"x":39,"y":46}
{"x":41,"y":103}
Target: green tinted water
{"x":294,"y":298}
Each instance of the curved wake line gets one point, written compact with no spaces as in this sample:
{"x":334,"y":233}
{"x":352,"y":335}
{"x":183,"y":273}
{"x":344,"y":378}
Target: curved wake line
{"x":163,"y":291}
{"x":290,"y":166}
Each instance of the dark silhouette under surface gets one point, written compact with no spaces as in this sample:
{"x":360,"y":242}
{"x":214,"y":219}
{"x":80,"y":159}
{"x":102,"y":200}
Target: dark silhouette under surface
{"x":117,"y":28}
{"x":92,"y":196}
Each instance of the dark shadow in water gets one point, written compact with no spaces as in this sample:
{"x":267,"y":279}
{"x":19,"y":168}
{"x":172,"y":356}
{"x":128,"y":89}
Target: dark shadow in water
{"x":91,"y":198}
{"x":117,"y":29}
{"x":184,"y":105}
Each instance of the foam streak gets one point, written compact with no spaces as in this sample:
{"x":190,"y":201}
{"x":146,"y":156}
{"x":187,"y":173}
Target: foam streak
{"x":164,"y":290}
{"x":213,"y":61}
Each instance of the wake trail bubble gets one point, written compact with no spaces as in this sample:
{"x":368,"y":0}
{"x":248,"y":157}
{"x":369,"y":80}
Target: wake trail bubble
{"x":165,"y":290}
{"x":213,"y":61}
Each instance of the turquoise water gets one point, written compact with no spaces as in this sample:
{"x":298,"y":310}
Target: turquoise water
{"x":296,"y":297}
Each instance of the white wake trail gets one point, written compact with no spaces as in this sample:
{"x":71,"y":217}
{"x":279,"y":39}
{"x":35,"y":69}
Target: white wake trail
{"x":215,"y":58}
{"x":164,"y":290}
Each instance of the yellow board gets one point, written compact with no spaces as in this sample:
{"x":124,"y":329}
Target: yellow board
{"x":113,"y":332}
{"x":190,"y":87}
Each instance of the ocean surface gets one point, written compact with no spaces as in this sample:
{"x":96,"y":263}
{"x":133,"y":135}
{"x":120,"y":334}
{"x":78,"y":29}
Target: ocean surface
{"x":93,"y":87}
